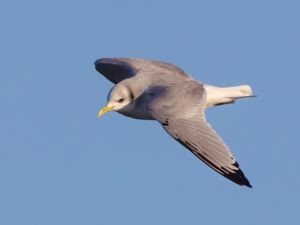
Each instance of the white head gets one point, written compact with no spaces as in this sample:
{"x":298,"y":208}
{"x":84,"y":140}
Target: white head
{"x":118,"y":97}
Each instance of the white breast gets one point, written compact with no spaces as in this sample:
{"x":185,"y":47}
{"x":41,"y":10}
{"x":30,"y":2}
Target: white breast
{"x":135,"y":112}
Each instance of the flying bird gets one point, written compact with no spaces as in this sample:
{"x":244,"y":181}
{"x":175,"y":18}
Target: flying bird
{"x":154,"y":90}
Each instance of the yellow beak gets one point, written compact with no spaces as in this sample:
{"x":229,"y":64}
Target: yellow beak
{"x":105,"y":110}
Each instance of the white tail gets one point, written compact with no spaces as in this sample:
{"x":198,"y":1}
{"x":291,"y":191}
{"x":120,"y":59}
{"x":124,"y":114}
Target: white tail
{"x":219,"y":96}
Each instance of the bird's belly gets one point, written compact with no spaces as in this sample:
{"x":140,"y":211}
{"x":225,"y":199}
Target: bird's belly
{"x":136,"y":112}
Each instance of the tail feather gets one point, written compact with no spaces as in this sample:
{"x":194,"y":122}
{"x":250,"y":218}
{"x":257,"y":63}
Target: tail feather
{"x":219,"y":96}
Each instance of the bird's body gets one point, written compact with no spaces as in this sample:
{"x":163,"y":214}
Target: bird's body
{"x":134,"y":110}
{"x":160,"y":91}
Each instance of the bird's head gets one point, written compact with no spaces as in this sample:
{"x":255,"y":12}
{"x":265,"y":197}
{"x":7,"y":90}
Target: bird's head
{"x":118,"y":97}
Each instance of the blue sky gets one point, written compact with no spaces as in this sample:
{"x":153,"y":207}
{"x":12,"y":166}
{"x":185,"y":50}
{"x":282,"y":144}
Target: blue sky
{"x":61,"y":165}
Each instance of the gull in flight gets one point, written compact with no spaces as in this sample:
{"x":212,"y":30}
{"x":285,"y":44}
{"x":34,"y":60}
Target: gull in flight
{"x":154,"y":90}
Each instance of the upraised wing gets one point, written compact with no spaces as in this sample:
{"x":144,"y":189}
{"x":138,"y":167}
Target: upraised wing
{"x":118,"y":69}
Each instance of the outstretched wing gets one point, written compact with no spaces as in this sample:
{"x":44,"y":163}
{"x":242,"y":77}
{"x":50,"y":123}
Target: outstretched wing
{"x":115,"y":70}
{"x":118,"y":69}
{"x":183,"y":118}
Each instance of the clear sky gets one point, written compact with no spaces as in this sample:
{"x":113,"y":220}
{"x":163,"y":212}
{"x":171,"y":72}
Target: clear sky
{"x":61,"y":165}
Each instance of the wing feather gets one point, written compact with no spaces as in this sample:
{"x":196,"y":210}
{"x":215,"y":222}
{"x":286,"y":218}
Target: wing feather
{"x":118,"y":69}
{"x":184,"y":119}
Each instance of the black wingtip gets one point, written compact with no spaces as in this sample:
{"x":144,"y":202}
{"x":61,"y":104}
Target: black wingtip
{"x":97,"y":61}
{"x":113,"y":66}
{"x":238,"y":177}
{"x":114,"y":69}
{"x":105,"y":61}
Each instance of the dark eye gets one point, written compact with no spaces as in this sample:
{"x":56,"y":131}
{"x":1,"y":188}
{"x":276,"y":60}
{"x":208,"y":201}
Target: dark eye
{"x":121,"y":100}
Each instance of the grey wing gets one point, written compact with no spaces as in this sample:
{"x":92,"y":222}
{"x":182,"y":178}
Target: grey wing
{"x":185,"y":122}
{"x":115,"y":69}
{"x":118,"y":69}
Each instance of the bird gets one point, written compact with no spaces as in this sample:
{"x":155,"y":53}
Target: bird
{"x":154,"y":90}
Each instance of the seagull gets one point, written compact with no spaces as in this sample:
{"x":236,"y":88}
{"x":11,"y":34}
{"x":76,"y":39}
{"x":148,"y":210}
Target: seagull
{"x":154,"y":90}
